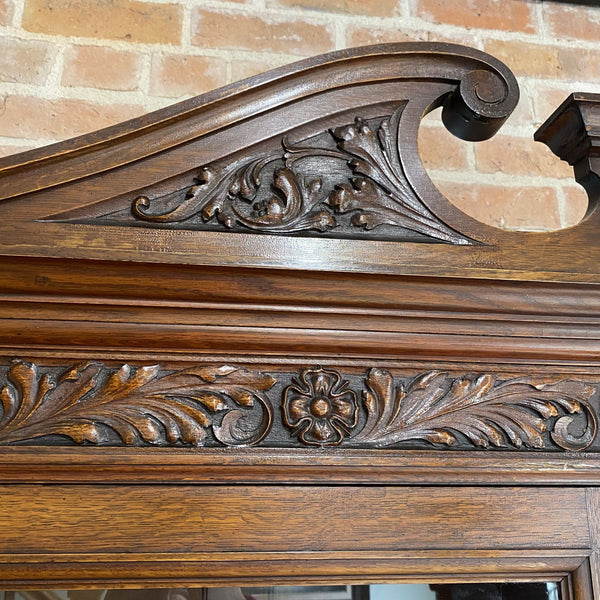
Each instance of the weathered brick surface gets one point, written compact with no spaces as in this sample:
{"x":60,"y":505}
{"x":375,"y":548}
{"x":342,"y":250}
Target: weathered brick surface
{"x":533,"y":208}
{"x":101,"y":67}
{"x":507,"y":15}
{"x":379,"y":8}
{"x":111,"y":19}
{"x":362,"y":35}
{"x":549,"y":98}
{"x":10,"y":149}
{"x":7,"y":9}
{"x":546,"y":61}
{"x":173,"y":75}
{"x":22,"y":116}
{"x":439,"y":149}
{"x":576,"y":204}
{"x":240,"y":31}
{"x":519,"y":156}
{"x":240,"y":69}
{"x":573,"y":22}
{"x":25,"y":61}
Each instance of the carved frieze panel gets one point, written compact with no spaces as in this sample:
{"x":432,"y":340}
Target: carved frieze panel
{"x":225,"y":405}
{"x":348,"y":181}
{"x":89,"y":403}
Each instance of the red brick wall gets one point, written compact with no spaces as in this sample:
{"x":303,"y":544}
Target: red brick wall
{"x":71,"y":66}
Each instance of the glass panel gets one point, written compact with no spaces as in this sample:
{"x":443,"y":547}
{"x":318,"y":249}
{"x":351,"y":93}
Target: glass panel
{"x":470,"y":591}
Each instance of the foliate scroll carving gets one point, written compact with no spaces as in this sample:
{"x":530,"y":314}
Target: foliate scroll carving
{"x":228,"y":195}
{"x":348,"y":179}
{"x":435,"y":407}
{"x":94,"y":404}
{"x":91,"y":403}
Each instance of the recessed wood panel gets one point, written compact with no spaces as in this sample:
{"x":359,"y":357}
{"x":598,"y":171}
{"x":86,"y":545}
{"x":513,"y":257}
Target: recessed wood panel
{"x":66,"y":519}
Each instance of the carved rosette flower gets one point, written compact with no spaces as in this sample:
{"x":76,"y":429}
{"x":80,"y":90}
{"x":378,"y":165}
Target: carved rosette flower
{"x":319,"y":407}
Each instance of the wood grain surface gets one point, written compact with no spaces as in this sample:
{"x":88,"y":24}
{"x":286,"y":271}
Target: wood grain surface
{"x":175,"y":240}
{"x":270,"y":519}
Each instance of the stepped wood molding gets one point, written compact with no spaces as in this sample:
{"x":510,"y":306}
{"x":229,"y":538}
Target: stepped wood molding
{"x":245,"y":340}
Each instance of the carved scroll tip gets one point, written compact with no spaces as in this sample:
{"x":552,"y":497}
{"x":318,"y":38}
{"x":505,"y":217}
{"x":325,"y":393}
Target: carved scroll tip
{"x":481,"y":103}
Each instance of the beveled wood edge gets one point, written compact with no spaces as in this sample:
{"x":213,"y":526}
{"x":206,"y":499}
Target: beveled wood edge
{"x":442,"y":318}
{"x":125,"y":570}
{"x":578,"y":584}
{"x":87,"y":465}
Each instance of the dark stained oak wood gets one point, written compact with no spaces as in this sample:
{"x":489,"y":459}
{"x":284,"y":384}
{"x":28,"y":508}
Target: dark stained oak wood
{"x":572,"y":133}
{"x":404,"y":534}
{"x":219,"y":324}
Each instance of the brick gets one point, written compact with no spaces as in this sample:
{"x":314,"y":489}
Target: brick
{"x":7,"y":9}
{"x":439,"y":149}
{"x":174,"y":76}
{"x":359,"y":35}
{"x":578,"y":64}
{"x":546,"y":61}
{"x":534,"y":60}
{"x":522,"y":116}
{"x":579,"y":22}
{"x":519,"y":156}
{"x":111,"y":19}
{"x":100,"y":67}
{"x":524,"y":208}
{"x":546,"y":101}
{"x":238,"y":31}
{"x":9,"y":150}
{"x":374,"y":8}
{"x":240,"y":69}
{"x":506,"y":15}
{"x":24,"y":61}
{"x":576,"y":205}
{"x":30,"y":118}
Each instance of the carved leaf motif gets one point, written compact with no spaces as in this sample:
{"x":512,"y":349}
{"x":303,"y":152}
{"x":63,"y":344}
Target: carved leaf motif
{"x":296,"y":200}
{"x":292,"y":206}
{"x":383,"y":194}
{"x":142,"y":406}
{"x":434,"y":406}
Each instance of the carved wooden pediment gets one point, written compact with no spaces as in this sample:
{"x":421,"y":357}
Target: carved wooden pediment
{"x":138,"y":244}
{"x":246,"y":339}
{"x":324,"y":151}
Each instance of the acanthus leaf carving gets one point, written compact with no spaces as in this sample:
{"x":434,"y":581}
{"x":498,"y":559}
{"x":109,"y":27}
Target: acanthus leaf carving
{"x":230,"y":199}
{"x":88,"y":401}
{"x":382,"y":193}
{"x":433,"y":407}
{"x":93,"y":403}
{"x":369,"y":184}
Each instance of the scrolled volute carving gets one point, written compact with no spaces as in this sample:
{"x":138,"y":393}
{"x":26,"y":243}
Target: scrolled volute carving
{"x":373,"y":191}
{"x":90,"y":403}
{"x":210,"y":405}
{"x":352,"y":169}
{"x":434,"y":407}
{"x":483,"y":101}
